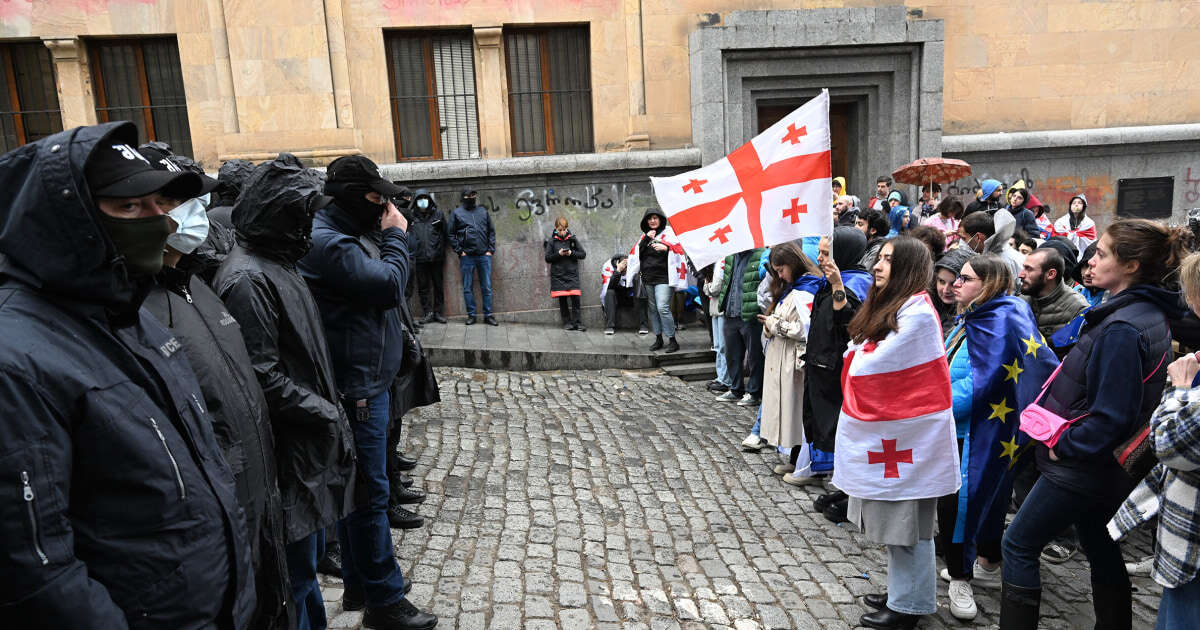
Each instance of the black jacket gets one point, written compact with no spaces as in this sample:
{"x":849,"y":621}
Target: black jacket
{"x":564,"y":270}
{"x":426,"y":230}
{"x":120,"y":510}
{"x":212,"y":342}
{"x":1125,"y":340}
{"x":471,"y":232}
{"x":653,"y":269}
{"x":284,"y":334}
{"x":212,"y":252}
{"x":358,"y":295}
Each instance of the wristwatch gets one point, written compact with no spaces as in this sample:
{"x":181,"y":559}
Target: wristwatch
{"x":839,"y":295}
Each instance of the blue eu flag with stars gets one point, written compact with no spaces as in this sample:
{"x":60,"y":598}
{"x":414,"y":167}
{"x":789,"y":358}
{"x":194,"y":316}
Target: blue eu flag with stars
{"x":1010,"y":361}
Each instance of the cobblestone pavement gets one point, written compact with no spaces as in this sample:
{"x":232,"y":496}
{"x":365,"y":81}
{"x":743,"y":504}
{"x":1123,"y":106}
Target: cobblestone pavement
{"x":614,"y":499}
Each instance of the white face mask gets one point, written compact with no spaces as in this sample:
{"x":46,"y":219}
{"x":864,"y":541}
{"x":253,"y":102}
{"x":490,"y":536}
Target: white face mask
{"x":192,"y":218}
{"x":422,"y":203}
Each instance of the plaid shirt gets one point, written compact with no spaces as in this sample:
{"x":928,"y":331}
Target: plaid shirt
{"x":1171,"y":490}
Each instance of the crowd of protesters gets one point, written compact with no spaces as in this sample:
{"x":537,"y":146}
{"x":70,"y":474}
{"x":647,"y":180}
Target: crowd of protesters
{"x":202,"y":382}
{"x":939,"y":366}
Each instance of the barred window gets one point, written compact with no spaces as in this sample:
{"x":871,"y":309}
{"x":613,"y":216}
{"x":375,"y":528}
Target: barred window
{"x":432,"y":81}
{"x":29,"y":108}
{"x":141,"y":80}
{"x":549,"y":89}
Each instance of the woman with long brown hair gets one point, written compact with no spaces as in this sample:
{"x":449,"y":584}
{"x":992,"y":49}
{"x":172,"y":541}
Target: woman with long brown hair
{"x":795,"y":281}
{"x":896,"y":451}
{"x":1110,"y":383}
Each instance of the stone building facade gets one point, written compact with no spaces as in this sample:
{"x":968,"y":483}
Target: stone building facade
{"x":1071,"y":95}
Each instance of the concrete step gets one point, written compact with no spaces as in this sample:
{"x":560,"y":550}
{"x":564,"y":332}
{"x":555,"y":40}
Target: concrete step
{"x":685,"y":356}
{"x":691,"y":371}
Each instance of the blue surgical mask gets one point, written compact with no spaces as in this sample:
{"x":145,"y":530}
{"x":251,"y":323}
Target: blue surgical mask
{"x":422,"y":203}
{"x":191,"y":217}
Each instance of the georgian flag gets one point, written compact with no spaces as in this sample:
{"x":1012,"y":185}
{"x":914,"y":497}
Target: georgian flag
{"x":677,"y":269}
{"x":895,"y":436}
{"x":772,"y":189}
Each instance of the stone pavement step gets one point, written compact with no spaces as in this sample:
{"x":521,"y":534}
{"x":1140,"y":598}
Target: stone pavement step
{"x":691,"y":371}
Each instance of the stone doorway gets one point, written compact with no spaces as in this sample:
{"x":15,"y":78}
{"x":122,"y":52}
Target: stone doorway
{"x":841,"y":116}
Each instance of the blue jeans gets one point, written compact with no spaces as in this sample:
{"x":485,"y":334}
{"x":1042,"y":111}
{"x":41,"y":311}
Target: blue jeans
{"x":367,"y":556}
{"x":718,"y":328}
{"x":757,"y":423}
{"x":659,"y":310}
{"x":469,"y":265}
{"x":302,"y":557}
{"x":912,"y":578}
{"x":743,"y":342}
{"x":1047,"y":512}
{"x":1180,"y":607}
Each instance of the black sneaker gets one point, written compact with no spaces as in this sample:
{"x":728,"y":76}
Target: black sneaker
{"x":490,"y":321}
{"x":672,"y":346}
{"x":353,"y":597}
{"x":821,"y":503}
{"x":836,"y":512}
{"x":568,"y":325}
{"x":404,"y":463}
{"x":399,"y":616}
{"x":716,"y":387}
{"x":470,"y":320}
{"x":580,"y":327}
{"x":401,"y":518}
{"x":439,"y":318}
{"x":404,"y":496}
{"x":658,"y":344}
{"x":331,"y":562}
{"x":426,"y":319}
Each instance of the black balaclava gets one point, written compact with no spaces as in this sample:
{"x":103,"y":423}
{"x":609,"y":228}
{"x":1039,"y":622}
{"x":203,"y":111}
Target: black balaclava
{"x":351,"y":197}
{"x":469,"y":203}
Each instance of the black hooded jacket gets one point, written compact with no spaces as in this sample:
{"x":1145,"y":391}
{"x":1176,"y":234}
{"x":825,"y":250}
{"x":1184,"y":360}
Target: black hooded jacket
{"x":564,"y":270}
{"x":120,"y":510}
{"x":426,"y":230}
{"x":213,"y":344}
{"x":471,"y":232}
{"x":284,"y":334}
{"x":653,"y":268}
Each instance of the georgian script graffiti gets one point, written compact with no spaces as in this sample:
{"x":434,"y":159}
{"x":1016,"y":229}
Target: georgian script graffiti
{"x":529,"y":204}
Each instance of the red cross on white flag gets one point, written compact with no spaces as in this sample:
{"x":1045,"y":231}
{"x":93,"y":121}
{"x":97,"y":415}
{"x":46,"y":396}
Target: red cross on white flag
{"x":772,"y":189}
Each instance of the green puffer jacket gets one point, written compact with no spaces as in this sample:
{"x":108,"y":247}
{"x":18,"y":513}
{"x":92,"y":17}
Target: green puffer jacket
{"x":750,"y":279}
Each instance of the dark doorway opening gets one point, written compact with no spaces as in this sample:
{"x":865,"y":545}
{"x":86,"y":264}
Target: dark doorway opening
{"x":842,"y":116}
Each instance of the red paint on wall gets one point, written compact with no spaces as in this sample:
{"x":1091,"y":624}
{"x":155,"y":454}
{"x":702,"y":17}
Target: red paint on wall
{"x":18,"y":9}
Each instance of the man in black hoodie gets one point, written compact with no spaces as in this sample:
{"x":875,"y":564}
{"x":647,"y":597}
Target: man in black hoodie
{"x":428,"y":237}
{"x":284,"y":333}
{"x":473,"y":238}
{"x":120,"y":510}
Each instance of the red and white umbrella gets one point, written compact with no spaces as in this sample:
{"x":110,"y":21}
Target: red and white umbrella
{"x":929,"y":170}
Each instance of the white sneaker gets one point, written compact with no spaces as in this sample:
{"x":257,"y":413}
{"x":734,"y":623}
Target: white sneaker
{"x":609,"y":331}
{"x":793,"y":480}
{"x":752,"y":443}
{"x":1141,"y":567}
{"x":987,"y":578}
{"x":728,"y":396}
{"x":962,"y":600}
{"x":748,"y":401}
{"x":784,"y":468}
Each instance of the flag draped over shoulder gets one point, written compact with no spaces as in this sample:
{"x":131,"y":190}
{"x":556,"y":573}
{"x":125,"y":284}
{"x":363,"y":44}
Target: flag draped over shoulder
{"x":677,"y":269}
{"x":1009,"y":363}
{"x":895,"y":436}
{"x":772,"y":189}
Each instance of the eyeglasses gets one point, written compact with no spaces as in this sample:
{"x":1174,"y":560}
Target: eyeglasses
{"x":961,"y":279}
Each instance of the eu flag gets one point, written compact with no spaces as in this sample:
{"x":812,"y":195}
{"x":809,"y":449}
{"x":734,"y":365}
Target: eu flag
{"x":1010,"y":360}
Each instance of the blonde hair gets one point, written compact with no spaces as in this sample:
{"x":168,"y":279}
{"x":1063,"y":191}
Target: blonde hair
{"x":560,"y":221}
{"x":1189,"y":278}
{"x":995,"y":276}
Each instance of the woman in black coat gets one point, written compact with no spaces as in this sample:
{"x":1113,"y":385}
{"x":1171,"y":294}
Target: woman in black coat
{"x":564,"y":252}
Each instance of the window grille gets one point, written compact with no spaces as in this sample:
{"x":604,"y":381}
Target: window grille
{"x":549,"y":89}
{"x":141,"y":80}
{"x":432,"y":85}
{"x":29,"y":107}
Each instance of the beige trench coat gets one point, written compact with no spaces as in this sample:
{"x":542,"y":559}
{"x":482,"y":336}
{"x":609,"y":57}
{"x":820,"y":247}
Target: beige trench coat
{"x":783,"y":384}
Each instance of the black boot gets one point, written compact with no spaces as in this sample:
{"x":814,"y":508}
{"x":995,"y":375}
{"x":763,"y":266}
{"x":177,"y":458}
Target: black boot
{"x":399,"y":616}
{"x":404,"y":496}
{"x":878,"y":601}
{"x":331,"y":562}
{"x":401,"y":518}
{"x":404,"y":463}
{"x":353,"y":597}
{"x":568,"y":324}
{"x":888,"y":619}
{"x":824,"y":501}
{"x":672,"y":346}
{"x":658,"y":344}
{"x":439,"y":318}
{"x":1019,"y":607}
{"x":1114,"y":606}
{"x":836,"y":512}
{"x":577,"y":320}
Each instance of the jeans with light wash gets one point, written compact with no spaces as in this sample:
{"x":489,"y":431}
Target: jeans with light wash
{"x":757,"y":423}
{"x":912,"y":578}
{"x":302,"y":557}
{"x":1180,"y":607}
{"x":367,"y":555}
{"x":659,"y":310}
{"x":718,"y":329}
{"x":469,"y":265}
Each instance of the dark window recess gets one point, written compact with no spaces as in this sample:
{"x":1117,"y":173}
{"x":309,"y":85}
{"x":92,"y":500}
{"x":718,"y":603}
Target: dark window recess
{"x":1146,"y":197}
{"x":432,"y":77}
{"x":28,"y":95}
{"x":142,"y":81}
{"x":549,"y":90}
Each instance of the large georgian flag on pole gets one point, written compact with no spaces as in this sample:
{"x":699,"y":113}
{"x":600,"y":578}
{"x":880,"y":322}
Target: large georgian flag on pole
{"x":895,"y":435}
{"x":772,"y":189}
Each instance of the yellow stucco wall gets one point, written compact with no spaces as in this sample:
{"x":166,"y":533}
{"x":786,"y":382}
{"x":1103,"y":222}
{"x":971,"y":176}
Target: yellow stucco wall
{"x":309,"y":76}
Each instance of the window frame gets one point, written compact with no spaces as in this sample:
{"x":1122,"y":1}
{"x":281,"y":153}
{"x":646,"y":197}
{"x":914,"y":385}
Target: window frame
{"x":427,"y":37}
{"x":101,"y":104}
{"x":546,"y":91}
{"x":18,"y":112}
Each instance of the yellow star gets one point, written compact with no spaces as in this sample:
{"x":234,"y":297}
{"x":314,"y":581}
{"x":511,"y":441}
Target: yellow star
{"x":1031,"y":344}
{"x":1010,"y":450}
{"x":1013,"y":370}
{"x":1001,"y":410}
